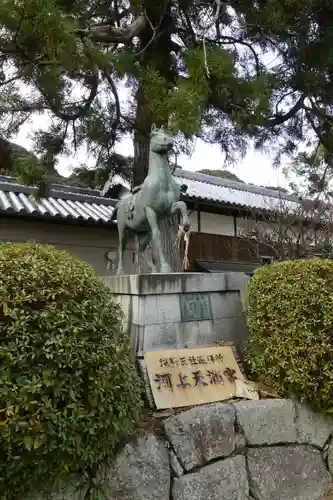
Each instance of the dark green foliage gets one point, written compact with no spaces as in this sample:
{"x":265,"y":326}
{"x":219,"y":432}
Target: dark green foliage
{"x":312,"y":171}
{"x":95,"y":178}
{"x":15,"y":159}
{"x":23,"y":165}
{"x":224,"y":174}
{"x":26,"y":168}
{"x":290,"y":319}
{"x":69,"y":389}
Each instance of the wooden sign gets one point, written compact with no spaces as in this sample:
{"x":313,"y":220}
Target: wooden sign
{"x":189,"y":377}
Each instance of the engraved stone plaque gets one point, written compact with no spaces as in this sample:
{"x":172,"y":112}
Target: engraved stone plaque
{"x":195,"y":307}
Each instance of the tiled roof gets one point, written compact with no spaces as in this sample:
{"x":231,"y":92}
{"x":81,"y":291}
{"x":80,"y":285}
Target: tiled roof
{"x":64,"y":202}
{"x":220,"y":191}
{"x":226,"y":192}
{"x":88,"y":206}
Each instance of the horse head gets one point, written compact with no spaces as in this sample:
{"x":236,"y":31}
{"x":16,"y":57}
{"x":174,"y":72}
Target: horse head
{"x":161,"y":141}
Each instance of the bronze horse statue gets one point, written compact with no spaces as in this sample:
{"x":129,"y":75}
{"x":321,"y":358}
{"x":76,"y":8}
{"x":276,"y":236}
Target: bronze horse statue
{"x":158,"y":197}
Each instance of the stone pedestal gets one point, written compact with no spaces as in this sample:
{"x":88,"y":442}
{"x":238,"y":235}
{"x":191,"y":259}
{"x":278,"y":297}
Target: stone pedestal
{"x":181,"y":310}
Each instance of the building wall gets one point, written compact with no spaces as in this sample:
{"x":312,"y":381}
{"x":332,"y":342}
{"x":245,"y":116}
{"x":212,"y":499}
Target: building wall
{"x":278,"y":231}
{"x":87,"y":243}
{"x":223,"y":224}
{"x":193,"y":216}
{"x":227,"y":225}
{"x":217,"y":224}
{"x":212,"y":223}
{"x":247,"y":225}
{"x":244,"y":226}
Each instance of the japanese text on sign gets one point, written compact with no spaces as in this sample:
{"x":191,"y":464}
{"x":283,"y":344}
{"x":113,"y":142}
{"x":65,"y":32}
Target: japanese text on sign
{"x":195,"y":307}
{"x":170,"y":362}
{"x":197,"y":378}
{"x":187,"y":377}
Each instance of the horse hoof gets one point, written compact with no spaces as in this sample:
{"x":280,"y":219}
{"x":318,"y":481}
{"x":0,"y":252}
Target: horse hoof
{"x":120,"y":273}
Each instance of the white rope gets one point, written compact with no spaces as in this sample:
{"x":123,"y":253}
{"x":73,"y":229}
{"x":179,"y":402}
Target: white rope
{"x":186,"y":262}
{"x":205,"y":56}
{"x":186,"y":235}
{"x":179,"y":236}
{"x":216,"y":17}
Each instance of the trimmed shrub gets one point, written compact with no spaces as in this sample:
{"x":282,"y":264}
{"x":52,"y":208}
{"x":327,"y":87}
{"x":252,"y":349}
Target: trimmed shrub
{"x":290,"y":320}
{"x":69,"y":389}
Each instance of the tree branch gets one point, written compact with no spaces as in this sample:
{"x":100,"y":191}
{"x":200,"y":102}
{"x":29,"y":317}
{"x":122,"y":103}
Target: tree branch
{"x":24,"y":108}
{"x":280,"y":119}
{"x":153,"y":28}
{"x":118,"y":111}
{"x":281,"y":99}
{"x":82,"y":110}
{"x":190,"y":30}
{"x":232,"y":40}
{"x":94,"y":83}
{"x":10,"y":80}
{"x":318,"y":112}
{"x":111,"y":34}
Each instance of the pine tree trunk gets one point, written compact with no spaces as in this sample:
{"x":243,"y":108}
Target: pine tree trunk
{"x":143,"y":124}
{"x":162,"y":47}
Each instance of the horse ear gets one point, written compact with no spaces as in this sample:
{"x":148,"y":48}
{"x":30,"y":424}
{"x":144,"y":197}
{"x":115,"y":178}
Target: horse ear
{"x":153,"y":127}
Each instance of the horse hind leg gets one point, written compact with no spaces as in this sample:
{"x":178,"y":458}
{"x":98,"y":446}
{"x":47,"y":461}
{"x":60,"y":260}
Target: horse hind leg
{"x":123,"y":237}
{"x":154,"y":264}
{"x":156,"y":237}
{"x":144,"y":240}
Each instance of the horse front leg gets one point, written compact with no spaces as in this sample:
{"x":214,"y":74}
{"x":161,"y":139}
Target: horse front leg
{"x":180,"y":206}
{"x":157,"y":241}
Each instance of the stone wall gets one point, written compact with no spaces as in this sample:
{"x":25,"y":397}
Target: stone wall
{"x":262,"y":450}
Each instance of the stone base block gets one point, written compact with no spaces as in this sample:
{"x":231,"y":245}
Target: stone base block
{"x":181,"y":310}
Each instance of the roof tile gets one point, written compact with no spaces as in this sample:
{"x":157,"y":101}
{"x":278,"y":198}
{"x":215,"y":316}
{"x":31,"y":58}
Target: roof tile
{"x":74,"y":204}
{"x":227,"y":192}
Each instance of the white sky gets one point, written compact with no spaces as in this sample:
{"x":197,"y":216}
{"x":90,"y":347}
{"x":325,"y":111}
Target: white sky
{"x":255,"y":168}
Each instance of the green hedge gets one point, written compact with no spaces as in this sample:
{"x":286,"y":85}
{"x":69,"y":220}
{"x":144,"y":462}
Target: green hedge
{"x":69,"y":389}
{"x":290,"y":319}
